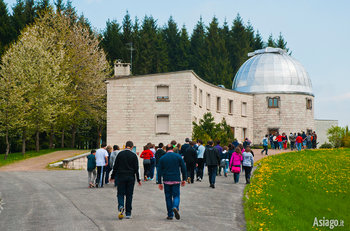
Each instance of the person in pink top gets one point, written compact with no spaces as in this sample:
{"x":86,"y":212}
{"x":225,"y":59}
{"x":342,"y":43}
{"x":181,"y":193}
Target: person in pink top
{"x":235,"y":164}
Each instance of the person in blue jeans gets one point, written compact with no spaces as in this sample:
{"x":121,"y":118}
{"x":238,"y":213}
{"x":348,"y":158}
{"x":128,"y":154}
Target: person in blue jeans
{"x":169,"y":169}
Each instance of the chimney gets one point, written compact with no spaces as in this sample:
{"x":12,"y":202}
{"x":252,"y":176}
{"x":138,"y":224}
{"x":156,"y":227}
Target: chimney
{"x":121,"y":69}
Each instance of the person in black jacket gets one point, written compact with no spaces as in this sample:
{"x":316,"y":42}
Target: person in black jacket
{"x":125,"y":168}
{"x":190,"y":158}
{"x":211,"y":159}
{"x":185,"y":146}
{"x":159,"y":153}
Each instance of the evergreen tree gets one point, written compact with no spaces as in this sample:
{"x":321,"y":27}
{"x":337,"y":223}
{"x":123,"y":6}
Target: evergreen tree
{"x":197,"y":48}
{"x":240,"y":45}
{"x":6,"y":32}
{"x":216,"y":66}
{"x":70,"y":12}
{"x":184,"y":49}
{"x":127,"y":38}
{"x":271,"y":42}
{"x":29,"y":11}
{"x":250,"y":35}
{"x":172,"y":39}
{"x":136,"y":45}
{"x":258,"y":41}
{"x":281,"y":43}
{"x":18,"y":18}
{"x":42,"y":6}
{"x":112,"y":43}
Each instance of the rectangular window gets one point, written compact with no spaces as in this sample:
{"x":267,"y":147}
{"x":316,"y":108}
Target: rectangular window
{"x":273,"y":102}
{"x":162,"y":124}
{"x":195,"y":94}
{"x":244,"y":109}
{"x":308,"y":103}
{"x":244,"y":134}
{"x":218,"y":104}
{"x":208,"y":101}
{"x":200,"y":98}
{"x":162,"y":93}
{"x":230,"y":107}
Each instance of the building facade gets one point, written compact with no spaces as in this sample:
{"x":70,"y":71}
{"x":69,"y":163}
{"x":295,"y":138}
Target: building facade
{"x":271,"y":93}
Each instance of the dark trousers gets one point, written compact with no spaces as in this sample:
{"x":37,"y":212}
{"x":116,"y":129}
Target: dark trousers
{"x":212,"y":173}
{"x":100,"y":175}
{"x":236,"y":177}
{"x":275,"y":143}
{"x":200,"y":168}
{"x":153,"y":165}
{"x":265,"y":150}
{"x":125,"y":191}
{"x":172,"y":197}
{"x":190,"y":170}
{"x":107,"y":171}
{"x":247,"y":171}
{"x":146,"y":170}
{"x":292,"y":145}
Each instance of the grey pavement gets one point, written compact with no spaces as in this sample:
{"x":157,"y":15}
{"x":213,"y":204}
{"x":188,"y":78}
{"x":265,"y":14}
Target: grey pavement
{"x":61,"y":200}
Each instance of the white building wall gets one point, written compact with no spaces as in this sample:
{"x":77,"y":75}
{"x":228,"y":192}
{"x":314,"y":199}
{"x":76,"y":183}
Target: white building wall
{"x":235,"y":119}
{"x":132,"y":108}
{"x":321,"y":128}
{"x":291,"y":116}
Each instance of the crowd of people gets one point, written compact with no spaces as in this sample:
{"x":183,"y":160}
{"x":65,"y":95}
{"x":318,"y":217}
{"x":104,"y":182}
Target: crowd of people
{"x":174,"y":165}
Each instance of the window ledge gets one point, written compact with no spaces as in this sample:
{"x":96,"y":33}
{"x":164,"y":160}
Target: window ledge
{"x":162,"y":100}
{"x":230,"y":113}
{"x":244,"y":115}
{"x":162,"y":133}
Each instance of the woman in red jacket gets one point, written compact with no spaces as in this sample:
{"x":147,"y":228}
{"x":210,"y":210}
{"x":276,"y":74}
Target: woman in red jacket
{"x":146,"y":155}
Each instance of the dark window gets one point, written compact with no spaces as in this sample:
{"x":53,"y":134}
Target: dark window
{"x":308,"y":103}
{"x":273,"y":102}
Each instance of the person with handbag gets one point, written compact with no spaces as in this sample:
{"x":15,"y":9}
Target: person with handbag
{"x":235,"y":164}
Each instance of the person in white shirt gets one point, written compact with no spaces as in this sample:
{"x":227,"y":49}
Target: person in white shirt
{"x":101,"y":162}
{"x":200,"y":160}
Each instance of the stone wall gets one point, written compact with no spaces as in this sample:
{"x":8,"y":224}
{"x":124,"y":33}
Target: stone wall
{"x":291,"y":116}
{"x":235,"y":119}
{"x":132,"y":108}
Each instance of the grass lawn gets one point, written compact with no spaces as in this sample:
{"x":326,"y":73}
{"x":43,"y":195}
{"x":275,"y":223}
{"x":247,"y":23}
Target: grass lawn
{"x":14,"y":157}
{"x":288,"y":191}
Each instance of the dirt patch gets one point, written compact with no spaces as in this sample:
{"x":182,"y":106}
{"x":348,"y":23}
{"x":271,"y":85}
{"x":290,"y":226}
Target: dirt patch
{"x":39,"y":163}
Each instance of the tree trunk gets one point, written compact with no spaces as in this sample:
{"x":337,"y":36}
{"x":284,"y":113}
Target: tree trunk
{"x":51,"y":138}
{"x":74,"y":131}
{"x":7,"y":144}
{"x":99,"y":135}
{"x":37,"y":142}
{"x":24,"y":137}
{"x":62,"y":140}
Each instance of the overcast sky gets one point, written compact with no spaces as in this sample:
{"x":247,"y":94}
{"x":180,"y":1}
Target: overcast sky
{"x":317,"y":32}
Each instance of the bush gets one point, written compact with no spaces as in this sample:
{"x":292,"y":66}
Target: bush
{"x":326,"y":146}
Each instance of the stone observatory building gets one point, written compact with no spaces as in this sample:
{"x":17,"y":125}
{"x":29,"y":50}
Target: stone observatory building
{"x":271,"y":92}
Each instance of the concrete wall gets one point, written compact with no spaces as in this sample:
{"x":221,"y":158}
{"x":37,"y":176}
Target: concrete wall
{"x":132,"y":108}
{"x":321,"y":128}
{"x":235,"y":120}
{"x":291,"y":116}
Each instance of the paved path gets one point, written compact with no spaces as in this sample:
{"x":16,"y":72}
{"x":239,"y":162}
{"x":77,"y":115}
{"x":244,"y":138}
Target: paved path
{"x":60,"y":200}
{"x":40,"y":163}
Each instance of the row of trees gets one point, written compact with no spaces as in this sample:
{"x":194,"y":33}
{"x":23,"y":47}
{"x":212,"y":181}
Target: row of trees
{"x":215,"y":53}
{"x":52,"y":80}
{"x":52,"y":66}
{"x":207,"y":130}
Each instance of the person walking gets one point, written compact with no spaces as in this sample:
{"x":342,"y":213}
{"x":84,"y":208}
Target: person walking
{"x":152,"y":147}
{"x":190,"y":158}
{"x":200,"y":160}
{"x":235,"y":164}
{"x":146,"y":155}
{"x":109,"y":150}
{"x":101,"y":163}
{"x":299,"y":141}
{"x":112,"y":160}
{"x":265,"y":142}
{"x":212,"y":160}
{"x":248,"y":163}
{"x":159,"y":153}
{"x":125,"y":169}
{"x":292,"y":141}
{"x":169,"y":169}
{"x":91,"y":168}
{"x":185,"y":146}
